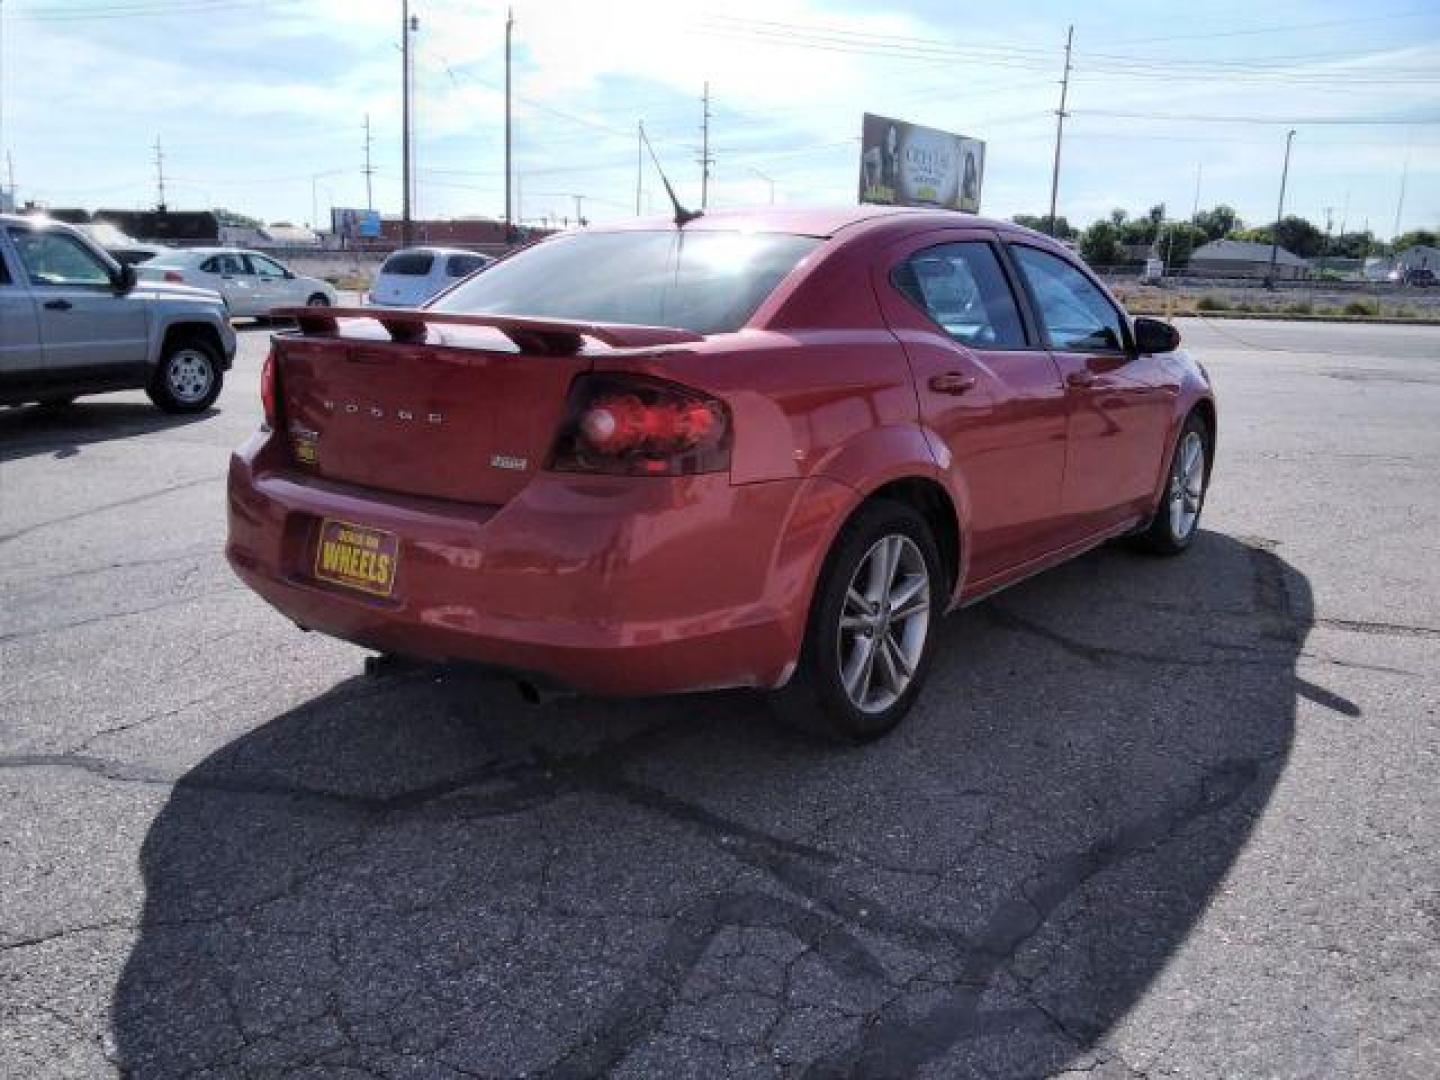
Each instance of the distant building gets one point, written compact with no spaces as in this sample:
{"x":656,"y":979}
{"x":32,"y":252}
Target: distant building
{"x":1400,"y":267}
{"x":1246,"y":259}
{"x":457,"y":232}
{"x":164,"y":226}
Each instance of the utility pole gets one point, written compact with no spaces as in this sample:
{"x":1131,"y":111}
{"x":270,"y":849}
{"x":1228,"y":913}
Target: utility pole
{"x":579,"y":210}
{"x":1195,"y":213}
{"x":405,"y":224}
{"x":369,"y":169}
{"x":1060,"y":115}
{"x":1279,"y":212}
{"x":159,"y":176}
{"x":509,"y":219}
{"x":1400,"y":203}
{"x":639,"y":164}
{"x":705,"y":159}
{"x":1329,"y":221}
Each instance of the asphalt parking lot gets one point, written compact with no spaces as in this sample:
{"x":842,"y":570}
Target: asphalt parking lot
{"x":1150,"y":818}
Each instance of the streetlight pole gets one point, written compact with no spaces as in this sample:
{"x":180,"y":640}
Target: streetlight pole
{"x":1279,"y":212}
{"x":509,"y":218}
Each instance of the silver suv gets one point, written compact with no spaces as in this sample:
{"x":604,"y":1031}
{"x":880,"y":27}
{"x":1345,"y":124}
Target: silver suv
{"x":73,"y":321}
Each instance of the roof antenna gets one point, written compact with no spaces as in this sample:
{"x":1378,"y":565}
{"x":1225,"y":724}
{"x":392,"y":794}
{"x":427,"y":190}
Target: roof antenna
{"x":682,"y":216}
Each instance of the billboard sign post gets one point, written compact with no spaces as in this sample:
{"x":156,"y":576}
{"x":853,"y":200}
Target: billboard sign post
{"x":353,"y":226}
{"x":907,"y":165}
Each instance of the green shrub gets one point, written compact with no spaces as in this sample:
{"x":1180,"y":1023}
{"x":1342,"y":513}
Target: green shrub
{"x":1212,"y":303}
{"x":1302,"y":308}
{"x":1360,"y":307}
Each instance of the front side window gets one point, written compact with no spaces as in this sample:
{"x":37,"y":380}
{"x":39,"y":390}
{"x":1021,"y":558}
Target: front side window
{"x":56,"y":258}
{"x":708,"y":282}
{"x":962,"y":287}
{"x":1073,"y":311}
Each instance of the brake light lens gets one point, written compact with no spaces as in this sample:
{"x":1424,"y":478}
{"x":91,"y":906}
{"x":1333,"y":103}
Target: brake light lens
{"x":175,"y":276}
{"x":270,"y":390}
{"x":638,"y":426}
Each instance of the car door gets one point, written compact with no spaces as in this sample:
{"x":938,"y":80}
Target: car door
{"x":274,"y":285}
{"x":227,"y":273}
{"x":86,"y":327}
{"x":22,"y":357}
{"x":1120,"y":403}
{"x":988,"y":392}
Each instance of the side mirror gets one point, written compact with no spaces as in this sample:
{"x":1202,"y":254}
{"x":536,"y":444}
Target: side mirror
{"x":1154,"y":336}
{"x":125,"y":280}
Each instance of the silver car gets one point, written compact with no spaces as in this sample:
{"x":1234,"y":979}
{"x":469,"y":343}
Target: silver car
{"x":412,"y":276}
{"x":252,"y":284}
{"x":74,"y":321}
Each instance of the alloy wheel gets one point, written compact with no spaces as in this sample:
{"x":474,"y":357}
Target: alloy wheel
{"x":189,"y":375}
{"x":883,"y":623}
{"x":1187,"y":485}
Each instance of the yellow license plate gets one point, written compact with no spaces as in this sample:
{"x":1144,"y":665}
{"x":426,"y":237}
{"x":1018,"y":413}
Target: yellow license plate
{"x":357,"y":557}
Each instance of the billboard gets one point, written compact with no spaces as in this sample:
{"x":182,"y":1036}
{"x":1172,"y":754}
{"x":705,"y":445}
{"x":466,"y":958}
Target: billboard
{"x":906,"y":165}
{"x":355,"y":224}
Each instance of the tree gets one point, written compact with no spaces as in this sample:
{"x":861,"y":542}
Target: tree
{"x":1041,"y":223}
{"x":1415,"y":239}
{"x":1099,"y":246}
{"x":1353,"y":245}
{"x":1219,"y":222}
{"x":1179,"y":241}
{"x":1297,"y":236}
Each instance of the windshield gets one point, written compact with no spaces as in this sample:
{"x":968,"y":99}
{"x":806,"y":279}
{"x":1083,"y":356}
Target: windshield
{"x":708,"y":282}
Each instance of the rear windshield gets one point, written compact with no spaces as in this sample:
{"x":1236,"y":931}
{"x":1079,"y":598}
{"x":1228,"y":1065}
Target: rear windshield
{"x":708,"y":282}
{"x":460,"y":265}
{"x":409,"y":264}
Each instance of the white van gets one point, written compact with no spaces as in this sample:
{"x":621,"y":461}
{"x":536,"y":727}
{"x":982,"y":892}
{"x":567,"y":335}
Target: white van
{"x":412,"y":276}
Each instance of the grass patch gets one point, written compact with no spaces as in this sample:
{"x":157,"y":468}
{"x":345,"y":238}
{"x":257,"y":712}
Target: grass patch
{"x":1361,"y":307}
{"x":1302,"y":308}
{"x":1212,"y":303}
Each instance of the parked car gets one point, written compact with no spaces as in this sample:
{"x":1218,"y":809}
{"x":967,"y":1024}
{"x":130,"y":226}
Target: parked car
{"x":765,"y":449}
{"x":410,"y":277}
{"x":73,"y":321}
{"x":251,"y":283}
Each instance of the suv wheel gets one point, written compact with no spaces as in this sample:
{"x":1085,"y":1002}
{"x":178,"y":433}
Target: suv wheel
{"x":872,"y":627}
{"x":188,"y":377}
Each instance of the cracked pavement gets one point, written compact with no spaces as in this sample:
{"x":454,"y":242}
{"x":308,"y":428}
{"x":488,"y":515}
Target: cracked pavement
{"x":1151,"y":818}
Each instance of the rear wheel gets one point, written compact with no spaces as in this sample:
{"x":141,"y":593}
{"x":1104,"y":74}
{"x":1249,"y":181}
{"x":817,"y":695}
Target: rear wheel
{"x":188,"y":377}
{"x":872,"y":627}
{"x":318,"y":300}
{"x":1177,"y":520}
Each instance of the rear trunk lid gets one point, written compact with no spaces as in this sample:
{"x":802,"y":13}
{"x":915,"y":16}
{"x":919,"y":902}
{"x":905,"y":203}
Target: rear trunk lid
{"x":445,"y":406}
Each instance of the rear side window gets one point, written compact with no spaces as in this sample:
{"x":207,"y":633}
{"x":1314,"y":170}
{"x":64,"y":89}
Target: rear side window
{"x":51,"y":257}
{"x":224,"y":264}
{"x":962,"y":287}
{"x":1073,"y":311}
{"x":409,"y":264}
{"x":463,"y":265}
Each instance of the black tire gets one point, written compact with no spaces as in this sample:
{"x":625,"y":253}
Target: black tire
{"x":1162,"y":536}
{"x":816,"y":700}
{"x":176,"y":385}
{"x":318,"y":300}
{"x":58,"y":404}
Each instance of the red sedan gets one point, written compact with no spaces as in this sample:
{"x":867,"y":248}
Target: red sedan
{"x":764,"y":449}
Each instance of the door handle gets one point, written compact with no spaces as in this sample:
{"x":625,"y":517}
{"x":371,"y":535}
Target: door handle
{"x":1080,"y":379}
{"x":952,"y":382}
{"x":58,"y":305}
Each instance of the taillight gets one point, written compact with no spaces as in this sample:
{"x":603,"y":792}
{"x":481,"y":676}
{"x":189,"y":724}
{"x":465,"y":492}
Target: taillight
{"x":270,"y":389}
{"x":175,"y":276}
{"x":639,"y":426}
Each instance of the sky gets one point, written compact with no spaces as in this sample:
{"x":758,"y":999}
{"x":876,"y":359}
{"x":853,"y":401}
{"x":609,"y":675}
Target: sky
{"x":259,"y":105}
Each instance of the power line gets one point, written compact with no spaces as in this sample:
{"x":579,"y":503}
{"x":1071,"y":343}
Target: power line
{"x":1356,"y":121}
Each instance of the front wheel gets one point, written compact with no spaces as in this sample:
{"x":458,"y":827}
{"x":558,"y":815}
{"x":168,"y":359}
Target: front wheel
{"x":188,"y":377}
{"x":872,"y":627}
{"x":318,"y":300}
{"x":1177,"y":519}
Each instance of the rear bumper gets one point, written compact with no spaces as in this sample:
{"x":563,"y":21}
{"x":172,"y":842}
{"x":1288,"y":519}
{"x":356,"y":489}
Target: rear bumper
{"x":610,"y":585}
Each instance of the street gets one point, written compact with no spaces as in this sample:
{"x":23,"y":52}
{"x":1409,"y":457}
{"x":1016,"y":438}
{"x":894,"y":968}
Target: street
{"x":1149,"y":818}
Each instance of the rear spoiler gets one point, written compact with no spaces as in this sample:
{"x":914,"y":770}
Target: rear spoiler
{"x":555,"y":337}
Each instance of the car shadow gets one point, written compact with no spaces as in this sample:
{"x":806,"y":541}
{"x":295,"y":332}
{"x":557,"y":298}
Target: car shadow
{"x":33,"y":430}
{"x":416,"y":875}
